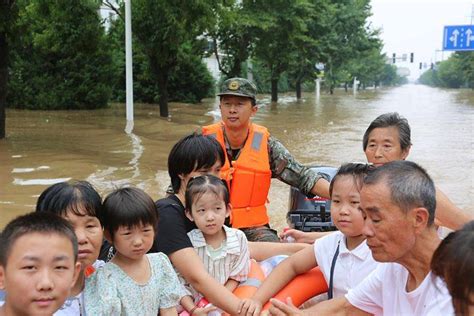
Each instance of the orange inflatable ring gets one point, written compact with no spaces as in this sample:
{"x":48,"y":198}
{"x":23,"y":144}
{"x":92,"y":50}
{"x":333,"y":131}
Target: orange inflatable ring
{"x":302,"y":288}
{"x":255,"y":278}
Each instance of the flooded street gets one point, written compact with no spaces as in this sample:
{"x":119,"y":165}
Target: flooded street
{"x":46,"y":147}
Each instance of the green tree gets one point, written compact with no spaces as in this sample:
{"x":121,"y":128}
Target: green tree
{"x":232,"y":35}
{"x":367,"y":65}
{"x":62,"y":60}
{"x":389,"y":76}
{"x":283,"y":24}
{"x":430,"y":78}
{"x":450,"y":72}
{"x":8,"y":13}
{"x":466,"y":65}
{"x":348,"y":37}
{"x":163,"y":28}
{"x":311,"y":46}
{"x":190,"y":80}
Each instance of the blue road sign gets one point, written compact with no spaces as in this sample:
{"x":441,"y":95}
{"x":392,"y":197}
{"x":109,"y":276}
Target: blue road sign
{"x":458,"y":37}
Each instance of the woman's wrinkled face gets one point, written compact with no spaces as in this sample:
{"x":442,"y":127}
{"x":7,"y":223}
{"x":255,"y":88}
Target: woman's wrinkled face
{"x":384,"y":146}
{"x":89,"y":237}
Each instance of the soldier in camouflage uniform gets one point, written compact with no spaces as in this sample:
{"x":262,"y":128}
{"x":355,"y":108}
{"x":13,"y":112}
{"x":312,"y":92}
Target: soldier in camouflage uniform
{"x":238,"y":134}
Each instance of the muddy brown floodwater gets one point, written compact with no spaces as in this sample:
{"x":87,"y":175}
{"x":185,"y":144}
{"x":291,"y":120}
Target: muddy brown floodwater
{"x":45,"y":147}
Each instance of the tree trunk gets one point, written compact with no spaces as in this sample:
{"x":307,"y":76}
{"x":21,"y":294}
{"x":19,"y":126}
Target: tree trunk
{"x":274,"y":90}
{"x":331,"y":79}
{"x":236,"y":69}
{"x":298,"y":89}
{"x":161,"y":74}
{"x":3,"y":81}
{"x":163,"y":99}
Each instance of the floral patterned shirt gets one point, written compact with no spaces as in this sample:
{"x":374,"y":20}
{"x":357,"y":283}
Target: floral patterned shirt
{"x":110,"y":291}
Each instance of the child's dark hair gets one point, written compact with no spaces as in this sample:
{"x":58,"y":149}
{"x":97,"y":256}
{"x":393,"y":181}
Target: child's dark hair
{"x":78,"y":197}
{"x":453,"y":262}
{"x":357,"y":170}
{"x":42,"y":223}
{"x":191,"y":153}
{"x":128,"y":207}
{"x":197,"y":186}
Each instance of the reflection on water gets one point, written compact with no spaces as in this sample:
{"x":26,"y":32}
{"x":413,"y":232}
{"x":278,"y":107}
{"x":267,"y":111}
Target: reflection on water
{"x":46,"y":147}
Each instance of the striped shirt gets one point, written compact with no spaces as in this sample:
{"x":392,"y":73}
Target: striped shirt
{"x":233,"y":261}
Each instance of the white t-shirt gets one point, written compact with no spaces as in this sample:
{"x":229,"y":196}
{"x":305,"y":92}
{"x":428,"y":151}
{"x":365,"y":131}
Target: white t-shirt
{"x":352,"y":266}
{"x":384,"y":293}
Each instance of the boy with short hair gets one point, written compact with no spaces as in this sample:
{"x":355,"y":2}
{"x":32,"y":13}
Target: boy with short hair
{"x":38,"y":264}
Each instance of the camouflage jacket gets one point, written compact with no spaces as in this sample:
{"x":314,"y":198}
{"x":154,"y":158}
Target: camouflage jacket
{"x":286,"y":168}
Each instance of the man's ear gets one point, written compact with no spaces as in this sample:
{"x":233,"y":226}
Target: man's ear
{"x":406,"y":152}
{"x":254,"y":109}
{"x":420,"y":218}
{"x":2,"y":278}
{"x":189,"y":215}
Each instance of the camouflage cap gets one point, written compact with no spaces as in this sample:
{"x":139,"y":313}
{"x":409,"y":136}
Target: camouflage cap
{"x":240,"y":87}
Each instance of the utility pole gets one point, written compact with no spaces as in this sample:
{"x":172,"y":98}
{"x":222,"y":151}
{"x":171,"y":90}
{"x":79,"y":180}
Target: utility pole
{"x":128,"y":66}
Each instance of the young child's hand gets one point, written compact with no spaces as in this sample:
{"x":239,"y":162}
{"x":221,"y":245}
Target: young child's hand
{"x":249,"y":307}
{"x":203,"y":311}
{"x":297,"y":235}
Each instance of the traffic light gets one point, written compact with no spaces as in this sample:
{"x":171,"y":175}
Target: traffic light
{"x":393,"y":58}
{"x":411,"y":57}
{"x":421,"y":65}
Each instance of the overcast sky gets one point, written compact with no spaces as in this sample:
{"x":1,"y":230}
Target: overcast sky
{"x":417,"y":26}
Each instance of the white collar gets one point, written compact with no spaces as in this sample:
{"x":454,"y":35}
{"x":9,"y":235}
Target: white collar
{"x":233,"y":247}
{"x":361,"y":251}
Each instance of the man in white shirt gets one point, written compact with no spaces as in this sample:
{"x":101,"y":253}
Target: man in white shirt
{"x":399,"y":201}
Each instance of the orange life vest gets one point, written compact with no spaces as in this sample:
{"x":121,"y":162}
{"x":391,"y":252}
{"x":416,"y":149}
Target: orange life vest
{"x":248,"y":177}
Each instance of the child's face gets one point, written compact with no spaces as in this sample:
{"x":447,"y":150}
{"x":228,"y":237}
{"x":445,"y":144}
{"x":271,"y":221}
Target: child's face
{"x":133,"y":242}
{"x":39,"y":274}
{"x":209,"y":212}
{"x":89,"y":237}
{"x":345,"y":211}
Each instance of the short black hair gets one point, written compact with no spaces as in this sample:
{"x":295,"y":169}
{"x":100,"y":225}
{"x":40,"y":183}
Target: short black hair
{"x":197,"y":186}
{"x":392,"y":119}
{"x":357,"y":170}
{"x":42,"y":223}
{"x":453,"y":262}
{"x":128,"y":207}
{"x":193,"y":152}
{"x":410,"y":185}
{"x":78,"y":197}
